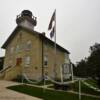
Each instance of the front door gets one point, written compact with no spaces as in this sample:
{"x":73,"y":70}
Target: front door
{"x":18,"y":61}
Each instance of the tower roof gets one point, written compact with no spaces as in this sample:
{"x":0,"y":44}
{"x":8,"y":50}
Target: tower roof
{"x":26,"y":13}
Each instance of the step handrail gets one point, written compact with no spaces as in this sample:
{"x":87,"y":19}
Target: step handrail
{"x":5,"y":69}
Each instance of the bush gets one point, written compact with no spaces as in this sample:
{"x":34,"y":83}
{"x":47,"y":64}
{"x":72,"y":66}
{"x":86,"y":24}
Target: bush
{"x":98,"y":82}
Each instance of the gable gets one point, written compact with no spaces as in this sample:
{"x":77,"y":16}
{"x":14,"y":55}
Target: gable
{"x":19,"y":28}
{"x":14,"y":33}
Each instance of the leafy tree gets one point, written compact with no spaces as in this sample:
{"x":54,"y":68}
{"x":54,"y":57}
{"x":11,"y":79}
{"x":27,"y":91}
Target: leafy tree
{"x":94,"y":62}
{"x":90,"y":67}
{"x":80,"y":69}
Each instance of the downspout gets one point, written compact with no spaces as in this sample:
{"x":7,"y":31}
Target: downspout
{"x":42,"y":58}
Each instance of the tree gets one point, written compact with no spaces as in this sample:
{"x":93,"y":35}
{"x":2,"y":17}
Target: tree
{"x":94,"y":62}
{"x":80,"y":69}
{"x":90,"y":67}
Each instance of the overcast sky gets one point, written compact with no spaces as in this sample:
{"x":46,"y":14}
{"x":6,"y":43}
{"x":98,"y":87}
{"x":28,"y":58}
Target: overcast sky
{"x":78,"y":22}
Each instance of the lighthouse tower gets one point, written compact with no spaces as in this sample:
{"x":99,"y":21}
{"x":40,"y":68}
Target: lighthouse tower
{"x":26,"y":19}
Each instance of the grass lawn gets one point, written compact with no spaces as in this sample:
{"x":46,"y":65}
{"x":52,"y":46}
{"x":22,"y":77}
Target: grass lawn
{"x":84,"y":89}
{"x":92,"y":82}
{"x":48,"y":94}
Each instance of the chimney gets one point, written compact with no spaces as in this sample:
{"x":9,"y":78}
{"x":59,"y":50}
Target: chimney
{"x":43,"y":33}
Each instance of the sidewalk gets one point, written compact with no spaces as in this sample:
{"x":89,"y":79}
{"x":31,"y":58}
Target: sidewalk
{"x":6,"y":94}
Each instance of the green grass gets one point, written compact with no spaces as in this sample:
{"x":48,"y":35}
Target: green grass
{"x":92,"y":82}
{"x":84,"y":89}
{"x":47,"y":94}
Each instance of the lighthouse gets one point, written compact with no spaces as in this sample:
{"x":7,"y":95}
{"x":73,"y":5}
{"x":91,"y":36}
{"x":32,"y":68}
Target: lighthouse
{"x":26,"y":19}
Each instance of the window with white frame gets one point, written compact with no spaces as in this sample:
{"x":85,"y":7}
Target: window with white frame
{"x":45,"y":60}
{"x":28,"y":45}
{"x":27,"y":60}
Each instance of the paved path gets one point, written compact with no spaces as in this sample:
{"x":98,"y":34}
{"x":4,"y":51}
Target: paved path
{"x":6,"y":94}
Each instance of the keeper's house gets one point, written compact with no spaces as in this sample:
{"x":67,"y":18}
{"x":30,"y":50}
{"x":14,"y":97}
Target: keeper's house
{"x":32,"y":53}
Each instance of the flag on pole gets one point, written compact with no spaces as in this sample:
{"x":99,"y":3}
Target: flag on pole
{"x":52,"y":33}
{"x":51,"y":21}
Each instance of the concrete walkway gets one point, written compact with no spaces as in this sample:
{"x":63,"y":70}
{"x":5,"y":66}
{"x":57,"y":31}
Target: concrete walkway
{"x":6,"y":94}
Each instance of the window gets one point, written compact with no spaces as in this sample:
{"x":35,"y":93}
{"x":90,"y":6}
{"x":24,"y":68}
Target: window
{"x":17,"y":48}
{"x":66,"y":58}
{"x":46,"y":76}
{"x":45,"y":60}
{"x":27,"y":60}
{"x":28,"y":45}
{"x":11,"y":50}
{"x":10,"y":62}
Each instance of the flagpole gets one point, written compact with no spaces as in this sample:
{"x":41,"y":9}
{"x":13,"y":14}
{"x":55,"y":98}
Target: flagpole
{"x":53,"y":33}
{"x":55,"y":47}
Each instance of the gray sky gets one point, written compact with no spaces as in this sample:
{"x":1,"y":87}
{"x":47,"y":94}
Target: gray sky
{"x":78,"y":22}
